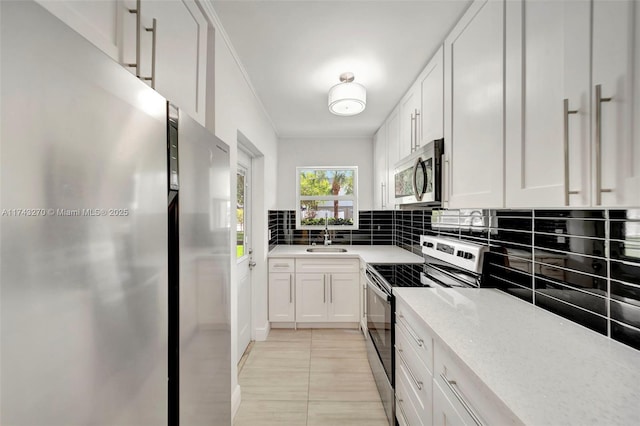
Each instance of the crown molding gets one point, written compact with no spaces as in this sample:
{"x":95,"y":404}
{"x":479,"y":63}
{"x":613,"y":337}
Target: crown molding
{"x":214,"y":20}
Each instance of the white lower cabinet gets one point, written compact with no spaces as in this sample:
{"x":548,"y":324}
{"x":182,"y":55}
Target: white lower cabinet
{"x":327,"y":290}
{"x":333,"y":297}
{"x":344,"y":298}
{"x":281,"y":297}
{"x":433,"y":387}
{"x":311,"y":298}
{"x":281,"y":290}
{"x":467,"y":396}
{"x":363,"y":297}
{"x":322,"y":290}
{"x":444,"y":413}
{"x":413,"y":370}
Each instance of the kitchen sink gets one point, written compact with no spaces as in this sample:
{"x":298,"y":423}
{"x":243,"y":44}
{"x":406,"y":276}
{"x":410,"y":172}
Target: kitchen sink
{"x":326,"y":250}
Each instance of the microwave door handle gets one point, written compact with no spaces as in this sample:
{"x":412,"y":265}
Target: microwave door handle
{"x":418,"y":168}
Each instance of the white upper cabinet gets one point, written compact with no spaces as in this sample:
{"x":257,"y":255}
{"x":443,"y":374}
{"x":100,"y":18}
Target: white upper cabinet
{"x":98,"y":21}
{"x":393,"y":154}
{"x":178,"y":69}
{"x":474,"y":108}
{"x":409,"y":121}
{"x":571,"y":137}
{"x":431,"y":119}
{"x":181,"y":42}
{"x":547,"y":66}
{"x":380,"y":170}
{"x":615,"y":128}
{"x":422,"y":108}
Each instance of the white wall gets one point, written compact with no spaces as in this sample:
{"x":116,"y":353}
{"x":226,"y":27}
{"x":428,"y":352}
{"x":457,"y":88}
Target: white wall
{"x":296,"y":152}
{"x":237,"y":109}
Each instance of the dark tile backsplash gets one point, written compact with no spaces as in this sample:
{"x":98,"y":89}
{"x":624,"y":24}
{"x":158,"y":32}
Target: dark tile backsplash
{"x":583,"y":265}
{"x":375,"y":227}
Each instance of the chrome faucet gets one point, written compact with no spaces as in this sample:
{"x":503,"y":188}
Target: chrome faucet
{"x":327,"y":241}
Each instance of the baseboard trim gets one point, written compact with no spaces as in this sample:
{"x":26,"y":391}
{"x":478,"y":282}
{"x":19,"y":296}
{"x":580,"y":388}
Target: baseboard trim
{"x":236,"y":398}
{"x":355,"y":325}
{"x":263,"y":332}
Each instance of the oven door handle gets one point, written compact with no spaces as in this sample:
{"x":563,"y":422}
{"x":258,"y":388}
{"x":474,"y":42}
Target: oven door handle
{"x":378,"y":291}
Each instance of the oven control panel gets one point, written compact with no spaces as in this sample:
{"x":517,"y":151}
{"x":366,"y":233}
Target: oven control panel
{"x":460,"y":253}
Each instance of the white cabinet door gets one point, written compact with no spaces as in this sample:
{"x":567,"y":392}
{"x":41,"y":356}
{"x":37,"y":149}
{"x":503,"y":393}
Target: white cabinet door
{"x":409,"y":114}
{"x":616,"y":159}
{"x":431,"y":119}
{"x":281,"y":297}
{"x":393,"y":156}
{"x":97,"y":21}
{"x":344,"y":297}
{"x":181,"y":42}
{"x":547,"y":61}
{"x":363,"y":297}
{"x":311,"y":297}
{"x":444,"y":414}
{"x":474,"y":107}
{"x":380,"y":169}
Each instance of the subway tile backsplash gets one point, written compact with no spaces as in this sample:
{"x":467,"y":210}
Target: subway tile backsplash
{"x":583,"y":265}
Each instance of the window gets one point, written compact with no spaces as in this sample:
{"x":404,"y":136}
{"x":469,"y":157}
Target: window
{"x":327,"y":195}
{"x":240,"y":216}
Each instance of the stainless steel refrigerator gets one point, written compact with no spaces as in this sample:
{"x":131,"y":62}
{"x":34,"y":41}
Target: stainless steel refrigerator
{"x":114,"y":289}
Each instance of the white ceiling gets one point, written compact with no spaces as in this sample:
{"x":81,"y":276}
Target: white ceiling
{"x":294,"y":51}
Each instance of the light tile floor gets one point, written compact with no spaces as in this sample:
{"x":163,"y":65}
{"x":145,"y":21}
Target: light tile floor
{"x":318,"y":377}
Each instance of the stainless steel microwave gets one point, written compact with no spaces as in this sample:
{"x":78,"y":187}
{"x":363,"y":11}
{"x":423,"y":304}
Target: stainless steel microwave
{"x":418,"y":177}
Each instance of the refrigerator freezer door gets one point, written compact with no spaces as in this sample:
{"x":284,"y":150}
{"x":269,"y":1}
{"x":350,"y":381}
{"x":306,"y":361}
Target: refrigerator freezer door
{"x":205,"y":338}
{"x":83,"y":231}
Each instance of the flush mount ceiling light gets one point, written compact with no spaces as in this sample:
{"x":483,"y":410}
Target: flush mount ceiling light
{"x":347,"y":98}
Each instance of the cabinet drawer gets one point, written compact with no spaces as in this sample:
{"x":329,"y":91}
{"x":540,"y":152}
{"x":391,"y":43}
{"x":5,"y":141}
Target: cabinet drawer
{"x":419,"y":336}
{"x":406,"y":412}
{"x":466,"y":392}
{"x":406,"y":354}
{"x":417,"y":384}
{"x":445,"y":412}
{"x":281,"y":265}
{"x":326,"y":265}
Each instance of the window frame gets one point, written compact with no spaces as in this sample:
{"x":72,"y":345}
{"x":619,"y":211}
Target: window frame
{"x":353,"y":198}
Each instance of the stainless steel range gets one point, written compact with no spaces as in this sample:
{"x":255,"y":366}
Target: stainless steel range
{"x":448,"y":263}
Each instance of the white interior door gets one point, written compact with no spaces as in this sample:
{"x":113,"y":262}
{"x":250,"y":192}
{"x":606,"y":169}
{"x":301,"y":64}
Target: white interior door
{"x":243,"y":250}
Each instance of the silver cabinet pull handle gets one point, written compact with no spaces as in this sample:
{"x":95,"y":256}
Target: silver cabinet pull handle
{"x":415,"y":130}
{"x":599,"y":101}
{"x":412,"y":333}
{"x":331,"y":288}
{"x":566,"y":112}
{"x":324,"y":288}
{"x":154,"y":31}
{"x":290,"y":289}
{"x":404,"y":416}
{"x":383,"y":204}
{"x":281,"y":265}
{"x":418,"y":383}
{"x":446,"y":189}
{"x":453,"y":387}
{"x":138,"y":26}
{"x":413,"y":123}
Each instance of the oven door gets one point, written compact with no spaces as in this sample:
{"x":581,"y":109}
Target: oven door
{"x":379,"y":323}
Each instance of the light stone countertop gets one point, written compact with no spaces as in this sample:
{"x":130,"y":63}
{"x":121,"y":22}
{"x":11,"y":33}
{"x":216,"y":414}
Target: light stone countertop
{"x":546,"y":369}
{"x":369,"y":254}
